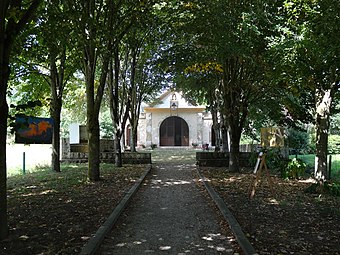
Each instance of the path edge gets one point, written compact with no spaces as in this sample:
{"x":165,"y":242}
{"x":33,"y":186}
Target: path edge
{"x":96,"y":240}
{"x":241,"y":238}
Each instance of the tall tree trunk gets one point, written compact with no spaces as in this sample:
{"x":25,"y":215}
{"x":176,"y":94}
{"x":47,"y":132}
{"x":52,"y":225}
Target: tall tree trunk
{"x":118,"y":149}
{"x":118,"y":139}
{"x":134,"y":100}
{"x":133,"y":142}
{"x":93,"y":130}
{"x":225,"y":140}
{"x":55,"y":113}
{"x":236,"y":92}
{"x":134,"y":118}
{"x":93,"y":133}
{"x":216,"y":128}
{"x":234,"y":155}
{"x":93,"y":102}
{"x":225,"y":144}
{"x":57,"y":88}
{"x":4,"y":72}
{"x":119,"y":114}
{"x":10,"y":27}
{"x":4,"y":76}
{"x":323,"y":106}
{"x":92,"y":122}
{"x":114,"y":70}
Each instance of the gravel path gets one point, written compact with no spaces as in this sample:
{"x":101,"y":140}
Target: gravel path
{"x":169,"y":215}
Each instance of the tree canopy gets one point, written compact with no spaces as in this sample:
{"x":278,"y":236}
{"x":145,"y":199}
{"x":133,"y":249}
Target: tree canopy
{"x":253,"y":63}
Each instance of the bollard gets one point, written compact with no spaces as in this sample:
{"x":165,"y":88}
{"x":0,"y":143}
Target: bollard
{"x":23,"y":163}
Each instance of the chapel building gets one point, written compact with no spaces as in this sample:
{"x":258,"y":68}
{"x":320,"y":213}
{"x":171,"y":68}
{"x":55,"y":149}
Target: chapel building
{"x":173,"y":122}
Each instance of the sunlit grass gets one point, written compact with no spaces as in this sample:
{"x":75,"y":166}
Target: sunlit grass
{"x":309,"y":159}
{"x":71,"y":175}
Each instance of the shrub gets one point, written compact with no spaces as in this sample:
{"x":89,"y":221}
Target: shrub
{"x":331,"y":188}
{"x":253,"y":158}
{"x":275,"y":160}
{"x":298,"y":140}
{"x":294,"y":170}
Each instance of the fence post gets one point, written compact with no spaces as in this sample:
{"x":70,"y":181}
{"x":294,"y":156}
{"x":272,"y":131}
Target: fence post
{"x":24,"y":163}
{"x":330,"y":166}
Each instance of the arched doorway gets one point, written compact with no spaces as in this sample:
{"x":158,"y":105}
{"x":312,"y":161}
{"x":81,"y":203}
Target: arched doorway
{"x":174,"y":131}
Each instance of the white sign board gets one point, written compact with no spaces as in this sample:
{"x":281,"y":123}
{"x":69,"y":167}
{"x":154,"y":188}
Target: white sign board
{"x":74,"y":133}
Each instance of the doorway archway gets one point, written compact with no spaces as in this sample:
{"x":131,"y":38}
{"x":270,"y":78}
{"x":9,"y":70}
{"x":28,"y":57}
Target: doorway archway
{"x":174,"y":131}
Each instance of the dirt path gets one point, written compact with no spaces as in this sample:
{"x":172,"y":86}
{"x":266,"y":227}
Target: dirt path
{"x":169,"y":215}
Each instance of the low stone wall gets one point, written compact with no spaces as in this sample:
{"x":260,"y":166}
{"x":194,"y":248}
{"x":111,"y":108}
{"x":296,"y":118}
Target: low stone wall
{"x":109,"y":157}
{"x":106,"y":145}
{"x":221,"y":159}
{"x":136,"y":158}
{"x":249,"y":147}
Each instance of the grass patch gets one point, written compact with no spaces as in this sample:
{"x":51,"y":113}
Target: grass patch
{"x":71,"y":175}
{"x":37,"y":156}
{"x":309,"y":159}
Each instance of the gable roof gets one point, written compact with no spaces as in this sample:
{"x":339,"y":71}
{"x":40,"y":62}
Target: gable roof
{"x":163,"y":102}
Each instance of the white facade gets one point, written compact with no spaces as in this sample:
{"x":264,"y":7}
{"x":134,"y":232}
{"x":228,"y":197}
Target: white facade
{"x":180,"y":125}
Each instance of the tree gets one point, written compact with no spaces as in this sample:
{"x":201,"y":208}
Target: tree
{"x":324,"y":47}
{"x":201,"y":85}
{"x":120,"y":71}
{"x":74,"y":103}
{"x":14,"y":16}
{"x":50,"y":62}
{"x":119,"y":102}
{"x":148,"y":80}
{"x":94,"y":22}
{"x":145,"y":78}
{"x":298,"y":140}
{"x":308,"y":46}
{"x":100,"y":28}
{"x":235,"y":43}
{"x":136,"y":43}
{"x":61,"y":68}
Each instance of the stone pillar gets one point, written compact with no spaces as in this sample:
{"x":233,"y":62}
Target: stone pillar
{"x":200,"y":128}
{"x":148,"y":129}
{"x":65,"y":148}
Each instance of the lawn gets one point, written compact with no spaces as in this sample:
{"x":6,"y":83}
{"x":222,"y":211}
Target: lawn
{"x":37,"y":156}
{"x":309,"y":159}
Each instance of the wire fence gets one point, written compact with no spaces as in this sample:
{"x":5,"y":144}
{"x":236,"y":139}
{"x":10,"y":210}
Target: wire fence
{"x":333,"y":162}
